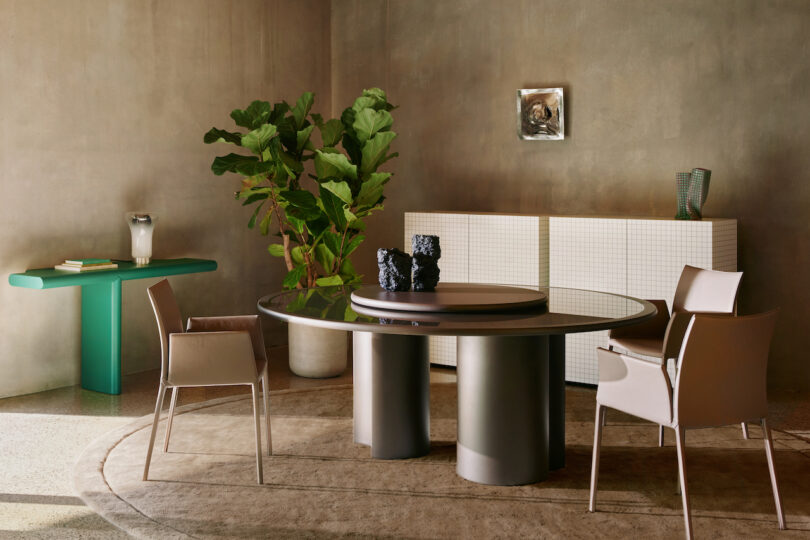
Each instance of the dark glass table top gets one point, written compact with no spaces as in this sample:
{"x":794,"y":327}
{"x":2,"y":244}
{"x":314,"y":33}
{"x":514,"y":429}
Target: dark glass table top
{"x":567,"y":311}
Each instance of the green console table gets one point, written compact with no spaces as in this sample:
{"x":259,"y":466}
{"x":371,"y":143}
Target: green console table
{"x":101,"y":310}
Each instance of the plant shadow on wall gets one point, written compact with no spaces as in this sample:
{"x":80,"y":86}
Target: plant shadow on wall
{"x":317,"y":231}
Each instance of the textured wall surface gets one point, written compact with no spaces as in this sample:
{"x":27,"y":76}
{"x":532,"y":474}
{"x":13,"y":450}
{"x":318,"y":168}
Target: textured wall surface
{"x":103,"y":106}
{"x":651,"y":88}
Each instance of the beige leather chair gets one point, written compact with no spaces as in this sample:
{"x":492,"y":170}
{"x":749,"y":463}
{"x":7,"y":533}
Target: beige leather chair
{"x":721,"y":381}
{"x":214,"y":351}
{"x":698,"y":291}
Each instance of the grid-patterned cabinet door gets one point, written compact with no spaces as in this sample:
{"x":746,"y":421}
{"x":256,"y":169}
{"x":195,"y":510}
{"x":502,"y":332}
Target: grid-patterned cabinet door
{"x":509,"y":250}
{"x":587,"y":253}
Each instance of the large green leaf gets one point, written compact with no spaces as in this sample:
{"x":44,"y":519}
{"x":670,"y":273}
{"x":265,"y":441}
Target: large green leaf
{"x":295,"y":166}
{"x":257,"y":139}
{"x":297,"y":224}
{"x":375,"y":93}
{"x":352,"y":147}
{"x":254,"y":116}
{"x":288,"y":133}
{"x":305,"y":214}
{"x":254,"y":168}
{"x":347,"y":119}
{"x":276,"y":250}
{"x":363,"y":102}
{"x":352,"y":244}
{"x":357,"y":224}
{"x":264,"y":224}
{"x":300,"y":198}
{"x":331,"y":132}
{"x":279,"y":110}
{"x":252,"y":222}
{"x":341,"y":189}
{"x":325,"y":257}
{"x":372,"y":189}
{"x":374,"y":150}
{"x":301,"y":109}
{"x":334,"y":208}
{"x":231,"y":162}
{"x":294,"y":276}
{"x":318,"y":225}
{"x":367,"y":122}
{"x":216,"y":135}
{"x":334,"y":165}
{"x":297,"y":255}
{"x":329,"y":281}
{"x":332,"y":241}
{"x":302,"y":137}
{"x":347,"y":272}
{"x":256,"y":195}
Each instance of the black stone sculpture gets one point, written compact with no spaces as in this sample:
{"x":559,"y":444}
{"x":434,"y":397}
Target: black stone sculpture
{"x":395,"y":269}
{"x":426,"y":253}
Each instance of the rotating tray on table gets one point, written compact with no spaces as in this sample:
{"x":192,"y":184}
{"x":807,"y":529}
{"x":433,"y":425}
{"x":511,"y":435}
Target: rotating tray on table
{"x":451,"y":298}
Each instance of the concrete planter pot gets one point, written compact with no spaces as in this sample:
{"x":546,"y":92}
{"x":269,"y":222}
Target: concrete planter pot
{"x":317,"y":353}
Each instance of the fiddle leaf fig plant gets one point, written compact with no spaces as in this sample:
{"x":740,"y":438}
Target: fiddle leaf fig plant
{"x":319,"y":224}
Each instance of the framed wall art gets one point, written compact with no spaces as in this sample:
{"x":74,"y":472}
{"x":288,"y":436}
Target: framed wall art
{"x":541,"y":114}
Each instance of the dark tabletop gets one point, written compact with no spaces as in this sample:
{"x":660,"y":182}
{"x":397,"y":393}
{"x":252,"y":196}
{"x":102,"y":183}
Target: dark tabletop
{"x":567,"y":311}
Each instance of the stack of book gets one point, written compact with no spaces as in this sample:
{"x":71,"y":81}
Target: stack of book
{"x":83,"y":265}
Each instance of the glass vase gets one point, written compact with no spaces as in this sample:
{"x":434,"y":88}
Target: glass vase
{"x":141,"y":225}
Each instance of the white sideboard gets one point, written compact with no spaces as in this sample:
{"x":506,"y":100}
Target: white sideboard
{"x":641,"y":257}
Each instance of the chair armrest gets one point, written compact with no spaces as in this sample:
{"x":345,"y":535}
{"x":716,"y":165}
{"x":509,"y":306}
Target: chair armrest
{"x":247,"y":323}
{"x":675,"y":332}
{"x":653,"y":328}
{"x":211,"y":358}
{"x":634,"y":386}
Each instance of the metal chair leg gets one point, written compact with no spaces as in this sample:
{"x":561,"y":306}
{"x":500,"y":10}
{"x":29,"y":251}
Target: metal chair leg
{"x":266,"y":397}
{"x":660,"y":436}
{"x":745,"y":430}
{"x":766,"y":434}
{"x":680,"y":434}
{"x":175,"y":392}
{"x":597,"y":445}
{"x":255,"y":392}
{"x":158,"y":407}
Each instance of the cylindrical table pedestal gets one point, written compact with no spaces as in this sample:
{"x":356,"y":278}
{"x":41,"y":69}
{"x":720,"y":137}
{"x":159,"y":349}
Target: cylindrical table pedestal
{"x":392,"y":394}
{"x":503,"y":409}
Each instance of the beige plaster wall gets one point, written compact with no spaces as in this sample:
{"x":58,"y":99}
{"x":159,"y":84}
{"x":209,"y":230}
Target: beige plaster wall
{"x":103,"y":106}
{"x":651,"y":88}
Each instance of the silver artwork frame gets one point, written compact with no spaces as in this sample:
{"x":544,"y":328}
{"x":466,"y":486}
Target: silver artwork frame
{"x":540,"y":114}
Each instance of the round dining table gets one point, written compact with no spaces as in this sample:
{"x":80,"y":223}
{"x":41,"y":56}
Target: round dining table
{"x":510,"y":366}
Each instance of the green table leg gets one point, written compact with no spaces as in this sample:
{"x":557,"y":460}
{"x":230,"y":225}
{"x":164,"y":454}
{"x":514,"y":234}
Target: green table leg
{"x":101,"y":337}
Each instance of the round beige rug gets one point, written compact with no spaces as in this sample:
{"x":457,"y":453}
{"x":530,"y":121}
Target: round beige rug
{"x":320,"y":484}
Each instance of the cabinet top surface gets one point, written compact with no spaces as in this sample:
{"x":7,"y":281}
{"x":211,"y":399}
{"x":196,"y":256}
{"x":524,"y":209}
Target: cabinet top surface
{"x":47,"y":278}
{"x":574,"y":216}
{"x":566,"y":311}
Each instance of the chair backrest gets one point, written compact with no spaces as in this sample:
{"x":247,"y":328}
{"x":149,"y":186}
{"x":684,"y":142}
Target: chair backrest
{"x":169,"y":320}
{"x":722,"y":376}
{"x":706,"y":291}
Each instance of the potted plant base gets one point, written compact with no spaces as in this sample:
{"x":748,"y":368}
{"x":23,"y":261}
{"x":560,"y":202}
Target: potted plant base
{"x":317,"y":353}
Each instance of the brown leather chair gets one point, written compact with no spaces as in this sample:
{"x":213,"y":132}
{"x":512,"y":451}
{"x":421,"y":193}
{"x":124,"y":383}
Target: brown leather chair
{"x":214,"y":351}
{"x":698,"y":291}
{"x":721,"y":380}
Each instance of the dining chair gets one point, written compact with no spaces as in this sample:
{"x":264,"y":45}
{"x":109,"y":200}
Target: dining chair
{"x":698,"y":291}
{"x":721,"y":380}
{"x":213,"y":351}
